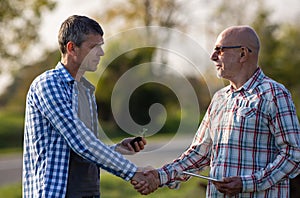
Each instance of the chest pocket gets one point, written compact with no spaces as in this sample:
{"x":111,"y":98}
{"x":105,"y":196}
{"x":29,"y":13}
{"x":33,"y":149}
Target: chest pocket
{"x":245,"y":113}
{"x":246,"y":110}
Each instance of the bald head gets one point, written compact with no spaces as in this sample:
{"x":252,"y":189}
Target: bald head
{"x":241,"y":35}
{"x":236,"y":54}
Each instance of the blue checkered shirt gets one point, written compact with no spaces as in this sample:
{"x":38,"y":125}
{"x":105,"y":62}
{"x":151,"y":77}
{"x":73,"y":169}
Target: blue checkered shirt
{"x":252,"y":132}
{"x":52,"y":129}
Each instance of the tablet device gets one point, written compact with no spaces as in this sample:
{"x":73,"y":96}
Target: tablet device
{"x":201,"y":176}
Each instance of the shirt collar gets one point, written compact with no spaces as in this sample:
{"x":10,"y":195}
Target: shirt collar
{"x":87,"y":84}
{"x":254,"y":81}
{"x":250,"y":85}
{"x":63,"y":72}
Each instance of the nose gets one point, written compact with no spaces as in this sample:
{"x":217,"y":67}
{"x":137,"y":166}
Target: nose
{"x":214,"y":56}
{"x":100,"y":52}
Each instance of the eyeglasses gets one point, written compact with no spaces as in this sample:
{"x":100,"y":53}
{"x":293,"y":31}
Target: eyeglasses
{"x":220,"y":49}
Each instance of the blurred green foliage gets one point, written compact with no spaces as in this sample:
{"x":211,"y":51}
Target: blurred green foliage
{"x":19,"y":24}
{"x":12,"y":102}
{"x":279,"y":59}
{"x":143,"y":97}
{"x":11,"y":133}
{"x":167,"y":13}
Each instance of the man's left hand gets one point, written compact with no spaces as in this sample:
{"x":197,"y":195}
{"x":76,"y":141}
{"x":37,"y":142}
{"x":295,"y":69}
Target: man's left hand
{"x":125,"y":148}
{"x":229,"y":185}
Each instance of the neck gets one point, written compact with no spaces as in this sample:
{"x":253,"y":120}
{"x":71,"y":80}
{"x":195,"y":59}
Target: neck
{"x":72,"y":69}
{"x":242,"y":78}
{"x":236,"y":86}
{"x":79,"y":74}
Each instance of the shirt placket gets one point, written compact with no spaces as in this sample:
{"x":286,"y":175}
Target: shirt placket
{"x":75,"y":98}
{"x":224,"y":138}
{"x":93,"y":110}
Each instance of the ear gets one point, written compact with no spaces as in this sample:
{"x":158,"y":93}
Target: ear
{"x":244,"y":55}
{"x":71,"y":48}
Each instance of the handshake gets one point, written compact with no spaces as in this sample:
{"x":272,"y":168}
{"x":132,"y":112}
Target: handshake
{"x":146,"y":180}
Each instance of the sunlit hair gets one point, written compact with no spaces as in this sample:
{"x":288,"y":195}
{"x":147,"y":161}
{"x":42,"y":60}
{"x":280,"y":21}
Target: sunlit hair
{"x":75,"y":29}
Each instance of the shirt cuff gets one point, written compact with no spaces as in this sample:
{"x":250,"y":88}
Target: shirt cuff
{"x":163,"y":176}
{"x":248,"y":183}
{"x":131,"y":173}
{"x":113,"y":147}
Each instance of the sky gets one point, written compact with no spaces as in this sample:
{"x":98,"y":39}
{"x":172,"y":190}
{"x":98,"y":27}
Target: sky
{"x":287,"y":10}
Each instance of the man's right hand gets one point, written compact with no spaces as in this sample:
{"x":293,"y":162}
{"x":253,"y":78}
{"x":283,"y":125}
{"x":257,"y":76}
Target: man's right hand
{"x":230,"y":185}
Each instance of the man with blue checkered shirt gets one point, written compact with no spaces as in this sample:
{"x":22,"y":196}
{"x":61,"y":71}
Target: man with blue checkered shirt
{"x":62,"y":154}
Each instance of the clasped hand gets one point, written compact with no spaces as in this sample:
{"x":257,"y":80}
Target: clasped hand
{"x":146,"y":180}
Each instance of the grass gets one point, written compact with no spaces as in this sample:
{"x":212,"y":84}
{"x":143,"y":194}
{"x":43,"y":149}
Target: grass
{"x":114,"y":187}
{"x":11,"y":191}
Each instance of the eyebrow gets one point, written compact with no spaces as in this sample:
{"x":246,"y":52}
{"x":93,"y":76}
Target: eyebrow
{"x":99,"y":44}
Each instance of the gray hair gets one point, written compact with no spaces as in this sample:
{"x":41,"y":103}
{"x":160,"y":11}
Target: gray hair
{"x":75,"y":28}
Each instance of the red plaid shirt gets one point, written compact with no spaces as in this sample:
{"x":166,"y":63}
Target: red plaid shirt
{"x":252,"y":132}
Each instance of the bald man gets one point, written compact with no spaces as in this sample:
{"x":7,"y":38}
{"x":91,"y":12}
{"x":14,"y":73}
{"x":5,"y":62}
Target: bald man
{"x":250,"y":134}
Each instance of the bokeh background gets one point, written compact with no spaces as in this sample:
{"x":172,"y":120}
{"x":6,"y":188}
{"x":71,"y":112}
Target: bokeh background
{"x":28,"y":47}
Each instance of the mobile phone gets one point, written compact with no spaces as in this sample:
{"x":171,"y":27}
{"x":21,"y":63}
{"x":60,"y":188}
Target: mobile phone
{"x":136,"y":139}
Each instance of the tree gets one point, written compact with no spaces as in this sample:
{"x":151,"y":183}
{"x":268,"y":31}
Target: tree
{"x":278,"y":56}
{"x":229,"y":13}
{"x":19,"y":22}
{"x":165,"y":13}
{"x":147,"y":13}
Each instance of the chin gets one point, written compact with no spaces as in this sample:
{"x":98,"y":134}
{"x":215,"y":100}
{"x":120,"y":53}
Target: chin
{"x":219,"y":74}
{"x":93,"y":69}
